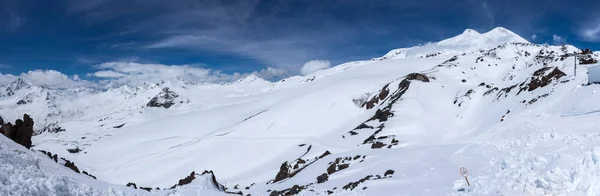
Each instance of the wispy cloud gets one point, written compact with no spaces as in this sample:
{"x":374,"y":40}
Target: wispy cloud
{"x":120,"y":73}
{"x":558,"y":39}
{"x":590,"y":31}
{"x":4,"y":66}
{"x":11,"y":16}
{"x":234,"y":28}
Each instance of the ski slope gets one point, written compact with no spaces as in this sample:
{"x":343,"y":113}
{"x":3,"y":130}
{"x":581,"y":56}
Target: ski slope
{"x":509,"y":111}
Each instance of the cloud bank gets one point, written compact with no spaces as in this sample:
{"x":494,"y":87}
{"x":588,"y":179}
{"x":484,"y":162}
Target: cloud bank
{"x":314,"y":65}
{"x":114,"y":74}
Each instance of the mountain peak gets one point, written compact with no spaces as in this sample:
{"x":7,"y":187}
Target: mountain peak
{"x":470,"y":31}
{"x":252,"y":78}
{"x":501,"y":30}
{"x":492,"y":38}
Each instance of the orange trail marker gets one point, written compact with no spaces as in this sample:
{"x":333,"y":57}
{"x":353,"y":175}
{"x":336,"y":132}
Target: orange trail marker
{"x":465,"y":173}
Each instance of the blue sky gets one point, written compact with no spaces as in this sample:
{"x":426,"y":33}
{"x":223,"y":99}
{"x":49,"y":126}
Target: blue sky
{"x":74,"y":36}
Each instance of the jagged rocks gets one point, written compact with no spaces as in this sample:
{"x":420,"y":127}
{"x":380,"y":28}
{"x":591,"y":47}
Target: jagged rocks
{"x":353,"y":185}
{"x":284,"y":172}
{"x":53,"y":157}
{"x":541,"y":79}
{"x":165,"y":99}
{"x":21,"y":132}
{"x":586,"y":57}
{"x":67,"y":163}
{"x":186,"y":180}
{"x":71,"y":165}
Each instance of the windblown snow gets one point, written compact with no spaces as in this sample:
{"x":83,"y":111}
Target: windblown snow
{"x":509,"y":111}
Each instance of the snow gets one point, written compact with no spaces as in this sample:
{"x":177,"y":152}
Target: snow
{"x":469,"y":41}
{"x":483,"y":108}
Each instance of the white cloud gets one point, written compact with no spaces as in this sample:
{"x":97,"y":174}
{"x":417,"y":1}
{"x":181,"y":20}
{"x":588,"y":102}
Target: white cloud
{"x":272,"y":73}
{"x":591,"y":32}
{"x":558,"y":39}
{"x":314,"y":65}
{"x":120,"y":73}
{"x":107,"y":74}
{"x":533,"y":37}
{"x":52,"y":78}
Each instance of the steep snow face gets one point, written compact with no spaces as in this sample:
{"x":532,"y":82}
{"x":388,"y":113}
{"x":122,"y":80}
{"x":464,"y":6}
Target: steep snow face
{"x":513,"y":114}
{"x":469,"y":41}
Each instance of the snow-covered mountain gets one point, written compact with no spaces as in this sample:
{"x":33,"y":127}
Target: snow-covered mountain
{"x":469,"y":41}
{"x":509,"y":111}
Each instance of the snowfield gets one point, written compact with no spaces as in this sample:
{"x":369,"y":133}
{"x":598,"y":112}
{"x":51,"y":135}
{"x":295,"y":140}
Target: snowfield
{"x":509,"y":111}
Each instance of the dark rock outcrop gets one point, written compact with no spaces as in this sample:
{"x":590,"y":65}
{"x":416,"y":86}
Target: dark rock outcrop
{"x":322,"y":178}
{"x":541,"y":79}
{"x":389,"y":172}
{"x":132,"y":184}
{"x":21,"y":132}
{"x":288,"y":192}
{"x":285,"y":171}
{"x":7,"y":130}
{"x":74,"y":150}
{"x":165,"y":99}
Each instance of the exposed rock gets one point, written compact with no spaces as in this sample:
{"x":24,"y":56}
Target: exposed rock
{"x":166,"y":99}
{"x":71,"y":165}
{"x":1,"y":121}
{"x":7,"y":130}
{"x":90,"y":175}
{"x":377,"y":145}
{"x":25,"y":132}
{"x":74,"y":150}
{"x":353,"y":185}
{"x":146,"y":188}
{"x":186,"y":180}
{"x":53,"y":157}
{"x":119,"y":126}
{"x":389,"y":172}
{"x":417,"y":76}
{"x":21,"y":132}
{"x":288,"y":192}
{"x":540,"y":79}
{"x":284,"y":172}
{"x":51,"y":128}
{"x":132,"y":184}
{"x":322,"y":178}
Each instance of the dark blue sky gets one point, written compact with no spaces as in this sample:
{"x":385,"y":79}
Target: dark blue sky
{"x":72,"y":36}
